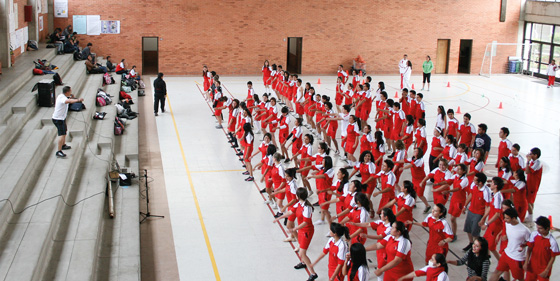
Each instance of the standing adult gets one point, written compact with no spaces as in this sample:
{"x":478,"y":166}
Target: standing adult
{"x":551,"y":72}
{"x":59,"y":117}
{"x":160,"y":92}
{"x":427,"y":68}
{"x":403,"y":66}
{"x":482,"y":140}
{"x":406,"y":76}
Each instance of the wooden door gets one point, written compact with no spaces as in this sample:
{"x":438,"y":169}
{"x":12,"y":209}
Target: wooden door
{"x":294,"y":55}
{"x":442,"y":56}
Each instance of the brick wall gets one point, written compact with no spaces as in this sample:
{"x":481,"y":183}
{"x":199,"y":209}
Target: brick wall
{"x":235,"y":36}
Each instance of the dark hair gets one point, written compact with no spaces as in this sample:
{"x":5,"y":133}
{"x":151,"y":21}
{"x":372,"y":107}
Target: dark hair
{"x":364,"y":201}
{"x":483,"y":126}
{"x":412,"y":92}
{"x":508,"y":203}
{"x":422,"y":122}
{"x":409,"y":188}
{"x":324,"y":147}
{"x":347,"y":107}
{"x":505,"y":130}
{"x":402,"y":229}
{"x":363,"y":156}
{"x":450,"y":111}
{"x":442,"y":109}
{"x":440,"y":258}
{"x":344,"y":181}
{"x":476,"y":263}
{"x":463,"y":167}
{"x":285,"y":110}
{"x":389,"y":164}
{"x":160,"y":75}
{"x":291,"y":172}
{"x":302,"y":194}
{"x":359,"y":186}
{"x":271,"y":149}
{"x":384,"y":94}
{"x":381,"y":85}
{"x":267,"y":135}
{"x":398,"y":105}
{"x":420,"y":153}
{"x":328,"y":163}
{"x":388,"y":212}
{"x":256,"y":98}
{"x":358,"y":257}
{"x":249,"y":83}
{"x":340,"y":230}
{"x":89,"y":44}
{"x":516,"y":146}
{"x":536,"y":151}
{"x":463,"y":146}
{"x":507,"y":162}
{"x":420,"y":95}
{"x":409,"y":120}
{"x":481,"y":177}
{"x":442,"y":210}
{"x":511,"y":212}
{"x":453,"y":140}
{"x":481,"y":158}
{"x":543,"y":222}
{"x":521,"y":175}
{"x":390,"y":102}
{"x":405,"y":90}
{"x":378,"y":135}
{"x":248,"y":130}
{"x":66,"y":89}
{"x":468,"y":115}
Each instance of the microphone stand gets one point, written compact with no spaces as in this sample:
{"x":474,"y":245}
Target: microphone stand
{"x":147,"y":213}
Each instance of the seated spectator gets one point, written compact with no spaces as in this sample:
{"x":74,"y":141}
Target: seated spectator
{"x":110,"y":66}
{"x":93,"y":68}
{"x":121,"y":68}
{"x":66,"y":33}
{"x":56,"y":39}
{"x":133,"y":73}
{"x":69,"y":47}
{"x":86,"y":52}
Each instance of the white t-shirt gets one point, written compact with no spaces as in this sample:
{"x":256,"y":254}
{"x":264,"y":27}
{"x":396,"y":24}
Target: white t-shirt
{"x":60,"y":108}
{"x":517,"y":235}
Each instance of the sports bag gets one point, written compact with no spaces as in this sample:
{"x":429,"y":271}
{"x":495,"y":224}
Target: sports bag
{"x":100,"y":101}
{"x":37,"y":71}
{"x":119,"y":127}
{"x":57,"y":80}
{"x":77,"y":106}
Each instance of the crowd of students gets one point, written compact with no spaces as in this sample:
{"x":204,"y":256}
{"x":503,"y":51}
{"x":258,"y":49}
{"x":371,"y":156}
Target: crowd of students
{"x":378,"y":138}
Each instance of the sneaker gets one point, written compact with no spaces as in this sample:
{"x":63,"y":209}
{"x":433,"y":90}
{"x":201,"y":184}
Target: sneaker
{"x":239,"y":154}
{"x":258,"y":133}
{"x":66,"y":147}
{"x":274,"y":206}
{"x":246,"y":173}
{"x":312,"y":277}
{"x":60,"y":154}
{"x":328,"y":234}
{"x":250,"y":179}
{"x":162,"y":110}
{"x":392,"y":155}
{"x":300,"y":265}
{"x":422,"y":89}
{"x":219,"y":127}
{"x":468,"y":247}
{"x":290,"y":239}
{"x":155,"y":113}
{"x":316,"y":204}
{"x":319,"y":222}
{"x":263,"y":190}
{"x":427,"y":209}
{"x":268,"y":202}
{"x":359,"y":175}
{"x":278,"y":214}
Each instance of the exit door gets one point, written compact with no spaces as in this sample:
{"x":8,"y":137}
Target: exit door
{"x":150,"y":56}
{"x":294,"y":55}
{"x":465,"y":54}
{"x":442,"y":56}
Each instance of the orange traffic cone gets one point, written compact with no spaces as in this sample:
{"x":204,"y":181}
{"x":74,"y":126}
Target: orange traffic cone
{"x":458,"y":110}
{"x":500,"y":107}
{"x":319,"y":81}
{"x":413,"y":86}
{"x":396,"y":94}
{"x":550,"y":219}
{"x":448,"y":85}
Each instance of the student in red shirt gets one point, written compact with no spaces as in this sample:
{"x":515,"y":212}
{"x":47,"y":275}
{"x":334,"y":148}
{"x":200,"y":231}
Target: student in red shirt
{"x":367,"y":169}
{"x":440,"y":232}
{"x":504,"y":149}
{"x":408,"y":132}
{"x":442,"y":178}
{"x":459,"y":191}
{"x":520,"y":193}
{"x":479,"y":199}
{"x":266,"y":70}
{"x":398,"y":247}
{"x":398,"y":158}
{"x":494,"y":214}
{"x":339,"y":96}
{"x":284,"y":130}
{"x":247,"y":143}
{"x":452,"y":124}
{"x":304,"y":230}
{"x":467,"y":132}
{"x":436,"y":270}
{"x":336,"y":248}
{"x":533,"y":170}
{"x":352,"y":139}
{"x":405,"y":201}
{"x":416,"y":165}
{"x":541,"y":252}
{"x":378,"y":149}
{"x":438,"y":142}
{"x":420,"y":136}
{"x":516,"y":161}
{"x":366,"y":141}
{"x":323,"y":182}
{"x":358,"y":215}
{"x":388,"y":180}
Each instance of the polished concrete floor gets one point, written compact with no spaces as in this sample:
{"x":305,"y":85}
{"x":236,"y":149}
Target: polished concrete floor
{"x":216,"y":225}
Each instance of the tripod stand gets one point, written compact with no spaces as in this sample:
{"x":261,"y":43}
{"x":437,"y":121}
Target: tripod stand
{"x":147,"y":213}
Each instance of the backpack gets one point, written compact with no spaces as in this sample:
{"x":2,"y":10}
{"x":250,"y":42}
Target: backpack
{"x":126,"y":89}
{"x":119,"y":127}
{"x":108,"y":79}
{"x":141,"y":84}
{"x":37,"y":71}
{"x":57,"y":79}
{"x":141,"y":92}
{"x":104,"y":95}
{"x":78,"y":55}
{"x":99,"y":115}
{"x":124,"y":95}
{"x":100,"y":101}
{"x":77,"y":106}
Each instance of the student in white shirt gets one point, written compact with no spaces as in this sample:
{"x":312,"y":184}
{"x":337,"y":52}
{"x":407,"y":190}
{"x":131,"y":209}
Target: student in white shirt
{"x":551,"y":72}
{"x":403,"y":65}
{"x":59,"y":117}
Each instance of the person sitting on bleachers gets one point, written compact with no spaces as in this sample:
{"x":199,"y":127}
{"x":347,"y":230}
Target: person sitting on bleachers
{"x":93,"y":68}
{"x":86,"y":52}
{"x":134,"y":74}
{"x":66,"y":33}
{"x":110,"y":66}
{"x":55,"y":39}
{"x":121,"y":68}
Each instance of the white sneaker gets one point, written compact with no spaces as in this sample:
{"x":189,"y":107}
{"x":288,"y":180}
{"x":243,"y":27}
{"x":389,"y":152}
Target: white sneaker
{"x":268,"y":202}
{"x":319,"y":222}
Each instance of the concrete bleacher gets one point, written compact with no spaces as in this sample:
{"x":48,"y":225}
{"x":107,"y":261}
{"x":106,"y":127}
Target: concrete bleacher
{"x":74,"y":238}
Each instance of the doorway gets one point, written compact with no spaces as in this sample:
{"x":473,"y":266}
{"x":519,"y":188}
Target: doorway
{"x":442,"y":56}
{"x":465,"y":53}
{"x":294,"y":55}
{"x":150,"y":55}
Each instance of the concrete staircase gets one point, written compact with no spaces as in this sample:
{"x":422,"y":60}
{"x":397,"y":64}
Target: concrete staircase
{"x":54,"y":223}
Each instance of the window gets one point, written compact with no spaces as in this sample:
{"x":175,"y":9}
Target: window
{"x":542,"y":45}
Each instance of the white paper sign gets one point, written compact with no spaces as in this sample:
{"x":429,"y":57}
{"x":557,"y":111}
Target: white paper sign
{"x":11,"y":22}
{"x":93,"y":24}
{"x":40,"y":23}
{"x":44,"y":7}
{"x":60,"y":8}
{"x":14,"y":44}
{"x":79,"y":24}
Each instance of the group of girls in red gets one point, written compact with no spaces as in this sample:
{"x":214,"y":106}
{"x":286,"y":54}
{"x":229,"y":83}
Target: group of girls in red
{"x":383,"y":148}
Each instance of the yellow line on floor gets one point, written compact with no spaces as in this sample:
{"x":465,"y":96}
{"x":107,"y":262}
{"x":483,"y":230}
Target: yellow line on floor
{"x":217,"y":171}
{"x":463,"y":93}
{"x":210,"y":252}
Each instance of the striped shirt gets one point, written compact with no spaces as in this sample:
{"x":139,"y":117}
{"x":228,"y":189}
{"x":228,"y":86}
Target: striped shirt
{"x":471,"y":272}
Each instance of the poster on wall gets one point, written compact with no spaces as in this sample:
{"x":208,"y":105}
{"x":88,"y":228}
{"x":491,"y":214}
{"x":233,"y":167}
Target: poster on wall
{"x":14,"y":44}
{"x":93,"y":24}
{"x":40,"y":23}
{"x":79,"y":24}
{"x":16,"y":16}
{"x":11,"y":22}
{"x":44,"y":7}
{"x":60,"y":8}
{"x":110,"y":27}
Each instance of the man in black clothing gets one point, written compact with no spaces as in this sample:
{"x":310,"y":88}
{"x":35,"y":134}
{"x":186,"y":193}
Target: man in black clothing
{"x":482,"y":140}
{"x":160,"y":92}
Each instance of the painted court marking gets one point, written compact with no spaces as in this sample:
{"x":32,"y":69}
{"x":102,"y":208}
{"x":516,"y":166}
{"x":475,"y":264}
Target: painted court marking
{"x":199,"y":212}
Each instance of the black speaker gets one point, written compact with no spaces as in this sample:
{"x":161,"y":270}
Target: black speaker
{"x":46,"y":96}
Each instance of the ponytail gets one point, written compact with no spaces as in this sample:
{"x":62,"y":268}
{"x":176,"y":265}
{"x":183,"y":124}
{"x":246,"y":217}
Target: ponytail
{"x":344,"y":180}
{"x":340,"y":230}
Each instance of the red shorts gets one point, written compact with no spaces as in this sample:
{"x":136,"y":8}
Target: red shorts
{"x":417,"y":187}
{"x":349,"y":148}
{"x":218,"y":112}
{"x":247,"y":153}
{"x":304,"y":238}
{"x":455,"y":208}
{"x":332,"y":269}
{"x":283,"y":135}
{"x":370,"y":187}
{"x":331,"y":131}
{"x":395,"y":134}
{"x":292,"y":217}
{"x":299,"y":109}
{"x":531,"y":195}
{"x":534,"y":276}
{"x":516,"y":267}
{"x":338,"y":99}
{"x":387,"y":132}
{"x":267,"y":81}
{"x":272,"y":127}
{"x":280,"y":195}
{"x":206,"y":85}
{"x":440,"y":198}
{"x":268,"y":181}
{"x":231,"y":127}
{"x":491,"y":233}
{"x":324,"y":197}
{"x":521,"y":211}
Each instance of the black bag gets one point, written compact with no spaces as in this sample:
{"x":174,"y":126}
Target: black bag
{"x":141,"y":92}
{"x":78,"y":55}
{"x":57,"y":80}
{"x":99,"y":115}
{"x":45,"y":96}
{"x":77,"y":106}
{"x":127,"y":181}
